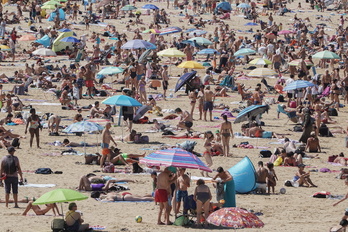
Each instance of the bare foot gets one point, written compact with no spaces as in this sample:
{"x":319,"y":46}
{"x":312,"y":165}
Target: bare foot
{"x":160,"y":223}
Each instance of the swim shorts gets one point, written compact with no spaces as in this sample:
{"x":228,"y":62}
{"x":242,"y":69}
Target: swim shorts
{"x":89,"y":83}
{"x":208,"y":105}
{"x":161,"y":195}
{"x":97,"y":187}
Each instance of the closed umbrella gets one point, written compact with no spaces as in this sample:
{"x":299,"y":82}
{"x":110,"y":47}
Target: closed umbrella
{"x":251,"y":111}
{"x":184,"y":79}
{"x":44,"y":52}
{"x":326,"y":55}
{"x":235,"y":218}
{"x":208,"y":51}
{"x":260,"y":61}
{"x":170,"y":30}
{"x":137,"y":44}
{"x":201,"y":41}
{"x":70,"y":39}
{"x":150,"y":6}
{"x":174,"y":157}
{"x":27,"y":37}
{"x":262,"y":72}
{"x":110,"y":71}
{"x":299,"y":84}
{"x":141,"y":111}
{"x":244,"y":51}
{"x":191,"y":64}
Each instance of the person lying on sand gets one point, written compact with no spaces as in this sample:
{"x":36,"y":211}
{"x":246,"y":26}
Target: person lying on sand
{"x":39,"y":211}
{"x":126,"y":196}
{"x":91,"y":182}
{"x":118,"y":157}
{"x":341,"y":159}
{"x":67,"y":143}
{"x":185,"y":135}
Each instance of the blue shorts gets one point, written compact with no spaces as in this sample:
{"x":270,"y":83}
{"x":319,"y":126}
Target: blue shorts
{"x":181,"y":195}
{"x":208,"y":106}
{"x":140,"y":76}
{"x":104,"y":145}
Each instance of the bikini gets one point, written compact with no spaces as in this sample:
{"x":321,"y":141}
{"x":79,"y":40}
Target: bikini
{"x":203,"y":196}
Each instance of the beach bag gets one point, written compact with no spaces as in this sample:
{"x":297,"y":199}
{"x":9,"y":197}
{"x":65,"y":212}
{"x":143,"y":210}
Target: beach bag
{"x":332,"y":158}
{"x":182,"y":220}
{"x":109,"y":168}
{"x":90,"y":158}
{"x":187,"y":145}
{"x":44,"y":171}
{"x":15,"y":143}
{"x":69,"y":152}
{"x":265,"y":154}
{"x":288,"y":183}
{"x":267,"y":134}
{"x":141,"y":139}
{"x":332,"y":112}
{"x":58,"y":225}
{"x":278,"y":161}
{"x":324,"y":131}
{"x":293,"y":104}
{"x":281,"y":98}
{"x":298,"y":128}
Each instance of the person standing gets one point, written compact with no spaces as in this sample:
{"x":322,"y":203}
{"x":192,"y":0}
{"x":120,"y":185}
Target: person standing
{"x":225,"y":189}
{"x":261,"y":175}
{"x":209,"y":98}
{"x":34,"y":128}
{"x":10,"y":168}
{"x":181,"y":193}
{"x":106,"y":138}
{"x":165,"y":79}
{"x":226,"y":134}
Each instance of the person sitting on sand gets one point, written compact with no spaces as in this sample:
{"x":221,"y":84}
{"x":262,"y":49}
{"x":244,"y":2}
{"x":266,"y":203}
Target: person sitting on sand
{"x":313,"y":143}
{"x":87,"y":185}
{"x":158,"y":126}
{"x":341,"y":159}
{"x":118,"y":157}
{"x":303,"y":178}
{"x":128,"y":138}
{"x":292,"y":159}
{"x":39,"y":211}
{"x":125,"y":196}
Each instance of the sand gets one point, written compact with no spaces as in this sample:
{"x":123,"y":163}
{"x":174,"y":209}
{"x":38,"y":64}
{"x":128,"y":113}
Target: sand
{"x":294,"y":211}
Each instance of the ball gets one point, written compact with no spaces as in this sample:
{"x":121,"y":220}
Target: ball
{"x":138,"y":219}
{"x":282,"y":190}
{"x":222,"y":201}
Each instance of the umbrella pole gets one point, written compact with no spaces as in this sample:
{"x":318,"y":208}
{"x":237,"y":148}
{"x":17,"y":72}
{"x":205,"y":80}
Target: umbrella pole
{"x":119,"y":116}
{"x":122,"y":131}
{"x":61,"y":205}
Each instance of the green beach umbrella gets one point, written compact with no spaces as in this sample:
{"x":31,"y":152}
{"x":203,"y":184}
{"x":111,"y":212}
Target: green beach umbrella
{"x":110,"y":71}
{"x":48,"y":7}
{"x":326,"y":55}
{"x":128,"y":8}
{"x":52,"y":3}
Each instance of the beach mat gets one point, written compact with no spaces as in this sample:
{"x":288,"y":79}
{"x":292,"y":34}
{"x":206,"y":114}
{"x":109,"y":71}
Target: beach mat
{"x":38,"y":185}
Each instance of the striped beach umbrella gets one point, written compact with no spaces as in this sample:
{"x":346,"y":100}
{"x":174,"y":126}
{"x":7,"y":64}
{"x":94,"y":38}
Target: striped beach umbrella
{"x":326,"y":55}
{"x":260,"y":61}
{"x":262,"y":72}
{"x":170,"y":30}
{"x":175,"y":157}
{"x":298,"y":62}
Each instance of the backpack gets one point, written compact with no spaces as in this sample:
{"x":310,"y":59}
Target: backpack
{"x":43,"y":171}
{"x":265,"y":153}
{"x":182,"y":220}
{"x":332,"y":112}
{"x":332,"y":158}
{"x":141,"y":139}
{"x":298,"y":128}
{"x":58,"y":225}
{"x":10,"y":165}
{"x":15,"y":143}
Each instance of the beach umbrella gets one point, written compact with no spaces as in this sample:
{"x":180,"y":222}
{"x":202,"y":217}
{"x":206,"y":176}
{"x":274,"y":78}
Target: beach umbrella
{"x":51,"y":3}
{"x":44,"y":52}
{"x":197,"y":32}
{"x":260,"y":61}
{"x":70,"y":39}
{"x":285,"y":32}
{"x":100,"y":121}
{"x":251,"y":111}
{"x":141,"y":111}
{"x":153,"y":31}
{"x":262,"y":72}
{"x":184,"y":79}
{"x":208,"y":51}
{"x":174,"y":157}
{"x":64,"y":30}
{"x":201,"y":41}
{"x":206,"y":64}
{"x":170,"y":30}
{"x":27,"y":37}
{"x":251,"y":24}
{"x":235,"y":218}
{"x":138,"y":43}
{"x":298,"y":62}
{"x":191,"y":64}
{"x":110,"y":71}
{"x":128,"y":8}
{"x":121,"y":100}
{"x":150,"y":6}
{"x":171,"y":52}
{"x":326,"y":55}
{"x":244,"y":51}
{"x":299,"y":84}
{"x":48,"y":7}
{"x":244,"y":6}
{"x":4,"y":48}
{"x":144,"y":56}
{"x":60,"y":196}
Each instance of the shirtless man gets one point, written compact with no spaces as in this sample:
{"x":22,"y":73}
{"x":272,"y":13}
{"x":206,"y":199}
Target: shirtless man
{"x":327,"y":79}
{"x":165,"y":79}
{"x":89,"y":80}
{"x":225,"y":176}
{"x":183,"y":183}
{"x":95,"y":110}
{"x":188,"y":52}
{"x":161,"y":194}
{"x":208,"y":104}
{"x":140,"y":71}
{"x":106,"y":138}
{"x":256,"y":96}
{"x":185,"y":119}
{"x":313,"y":143}
{"x":262,"y":175}
{"x":276,"y":59}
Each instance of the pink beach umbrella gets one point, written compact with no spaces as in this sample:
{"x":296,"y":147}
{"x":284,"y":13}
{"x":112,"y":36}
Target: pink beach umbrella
{"x":285,"y":32}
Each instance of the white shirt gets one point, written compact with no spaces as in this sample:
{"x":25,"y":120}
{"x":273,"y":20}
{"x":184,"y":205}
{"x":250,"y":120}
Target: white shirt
{"x":287,"y":82}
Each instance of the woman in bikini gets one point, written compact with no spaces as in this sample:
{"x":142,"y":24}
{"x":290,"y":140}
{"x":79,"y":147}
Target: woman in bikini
{"x":335,"y":91}
{"x":193,"y":99}
{"x":226,"y":133}
{"x":34,"y":128}
{"x":202,"y":196}
{"x":208,"y":139}
{"x":142,"y":90}
{"x":125,"y":196}
{"x":39,"y":211}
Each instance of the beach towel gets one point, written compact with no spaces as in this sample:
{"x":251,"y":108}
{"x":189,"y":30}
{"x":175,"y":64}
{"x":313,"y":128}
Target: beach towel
{"x":38,"y":185}
{"x":98,"y":199}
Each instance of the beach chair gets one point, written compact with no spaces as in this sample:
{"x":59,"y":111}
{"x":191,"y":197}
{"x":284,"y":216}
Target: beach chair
{"x":270,"y":89}
{"x":291,"y":115}
{"x":228,"y":81}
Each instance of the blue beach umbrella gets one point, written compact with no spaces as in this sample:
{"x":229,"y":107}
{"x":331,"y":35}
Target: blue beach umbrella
{"x":299,"y":84}
{"x":70,"y":39}
{"x":184,"y":79}
{"x":110,"y":71}
{"x":208,"y":51}
{"x":150,"y":6}
{"x":251,"y":24}
{"x":252,"y":111}
{"x":244,"y":51}
{"x":137,"y":44}
{"x":64,"y":30}
{"x":244,"y":5}
{"x":170,"y":30}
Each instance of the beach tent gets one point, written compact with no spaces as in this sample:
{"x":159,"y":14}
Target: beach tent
{"x":45,"y":41}
{"x":59,"y":45}
{"x":244,"y":175}
{"x":53,"y":15}
{"x":223,"y":6}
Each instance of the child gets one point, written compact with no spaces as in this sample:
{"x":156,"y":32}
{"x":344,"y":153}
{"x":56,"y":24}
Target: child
{"x":272,"y":177}
{"x":208,"y":139}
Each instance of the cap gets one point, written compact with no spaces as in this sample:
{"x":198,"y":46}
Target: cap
{"x":11,"y":149}
{"x":217,"y":131}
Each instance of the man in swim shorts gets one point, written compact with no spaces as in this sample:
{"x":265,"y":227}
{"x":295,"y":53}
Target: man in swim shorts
{"x":185,"y":119}
{"x":106,"y":138}
{"x":261,"y":174}
{"x":208,"y":104}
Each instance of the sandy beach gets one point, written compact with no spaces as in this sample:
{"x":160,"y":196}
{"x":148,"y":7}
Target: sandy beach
{"x":296,"y":210}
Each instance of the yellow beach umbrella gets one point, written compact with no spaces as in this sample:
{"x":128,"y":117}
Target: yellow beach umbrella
{"x":191,"y":65}
{"x":262,"y":72}
{"x":4,"y":47}
{"x":171,"y":52}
